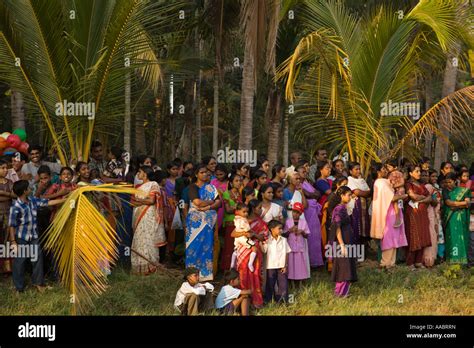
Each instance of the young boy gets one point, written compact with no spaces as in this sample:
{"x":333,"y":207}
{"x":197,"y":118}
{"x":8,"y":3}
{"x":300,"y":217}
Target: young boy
{"x":24,"y":232}
{"x":398,"y":183}
{"x":6,"y":195}
{"x":193,"y":297}
{"x":231,"y":298}
{"x":277,"y":250}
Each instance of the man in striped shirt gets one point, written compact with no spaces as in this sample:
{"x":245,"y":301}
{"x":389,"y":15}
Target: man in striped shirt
{"x":23,"y":231}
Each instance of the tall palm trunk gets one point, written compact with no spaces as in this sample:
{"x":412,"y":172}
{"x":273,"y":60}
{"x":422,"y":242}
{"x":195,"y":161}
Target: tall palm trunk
{"x":246,"y":102}
{"x":428,"y":103}
{"x":18,"y":111}
{"x":285,"y":138}
{"x":157,"y":147}
{"x":449,"y":86}
{"x":215,"y":119}
{"x":274,"y":118}
{"x":127,"y":118}
{"x":140,"y":137}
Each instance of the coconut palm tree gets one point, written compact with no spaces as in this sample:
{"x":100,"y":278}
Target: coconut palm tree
{"x":356,"y":65}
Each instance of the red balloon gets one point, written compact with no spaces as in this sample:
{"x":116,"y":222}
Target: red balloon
{"x":23,"y":147}
{"x":3,"y":143}
{"x":14,"y":140}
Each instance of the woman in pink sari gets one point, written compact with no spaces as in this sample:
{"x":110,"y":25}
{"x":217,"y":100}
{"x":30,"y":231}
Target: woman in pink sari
{"x":383,"y":218}
{"x":258,"y":232}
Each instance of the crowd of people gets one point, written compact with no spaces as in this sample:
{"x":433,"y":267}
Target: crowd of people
{"x":264,"y":228}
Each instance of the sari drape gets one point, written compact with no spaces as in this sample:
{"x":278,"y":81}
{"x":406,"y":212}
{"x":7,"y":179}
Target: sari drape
{"x":200,"y":235}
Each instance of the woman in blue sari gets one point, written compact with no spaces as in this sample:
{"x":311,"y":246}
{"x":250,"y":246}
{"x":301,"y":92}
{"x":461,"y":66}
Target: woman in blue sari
{"x":200,"y":224}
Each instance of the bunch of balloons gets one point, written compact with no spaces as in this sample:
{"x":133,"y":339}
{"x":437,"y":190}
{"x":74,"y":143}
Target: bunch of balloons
{"x":13,"y":142}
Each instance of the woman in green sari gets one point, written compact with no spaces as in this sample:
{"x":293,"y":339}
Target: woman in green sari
{"x":456,"y":220}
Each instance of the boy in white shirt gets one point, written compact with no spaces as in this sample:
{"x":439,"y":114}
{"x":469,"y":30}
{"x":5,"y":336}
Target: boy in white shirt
{"x":277,"y":250}
{"x":193,"y":298}
{"x":230,"y":298}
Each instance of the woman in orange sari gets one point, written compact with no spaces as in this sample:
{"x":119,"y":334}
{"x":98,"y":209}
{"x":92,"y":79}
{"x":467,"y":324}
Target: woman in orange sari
{"x":148,"y":225}
{"x":258,"y":232}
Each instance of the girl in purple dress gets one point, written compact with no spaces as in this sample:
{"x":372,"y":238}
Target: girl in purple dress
{"x":341,"y":239}
{"x":297,"y":231}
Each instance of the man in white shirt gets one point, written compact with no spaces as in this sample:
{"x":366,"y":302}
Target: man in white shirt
{"x":277,"y":250}
{"x":30,"y":169}
{"x":193,"y":297}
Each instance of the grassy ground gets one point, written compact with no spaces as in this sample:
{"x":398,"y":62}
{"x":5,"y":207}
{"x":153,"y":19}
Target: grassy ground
{"x":444,"y":290}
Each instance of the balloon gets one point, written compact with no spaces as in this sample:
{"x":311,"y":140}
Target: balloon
{"x":23,"y":147}
{"x":13,"y":140}
{"x":21,"y":133}
{"x":9,"y":151}
{"x":3,"y":143}
{"x":5,"y":135}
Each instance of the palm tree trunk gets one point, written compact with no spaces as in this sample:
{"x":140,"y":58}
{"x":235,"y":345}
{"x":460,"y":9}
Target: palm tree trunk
{"x":285,"y":139}
{"x":127,"y":119}
{"x":274,"y":118}
{"x":18,"y":111}
{"x":428,"y":104}
{"x":157,"y":147}
{"x":449,"y":86}
{"x":140,"y":137}
{"x":215,"y":120}
{"x":246,"y":102}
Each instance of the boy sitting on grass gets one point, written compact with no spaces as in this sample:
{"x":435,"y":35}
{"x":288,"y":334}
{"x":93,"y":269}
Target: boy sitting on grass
{"x":194,"y":298}
{"x":232,"y":299}
{"x":23,"y":231}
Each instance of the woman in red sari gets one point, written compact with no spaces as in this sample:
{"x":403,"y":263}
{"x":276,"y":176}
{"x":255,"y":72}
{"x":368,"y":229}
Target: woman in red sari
{"x":258,"y":233}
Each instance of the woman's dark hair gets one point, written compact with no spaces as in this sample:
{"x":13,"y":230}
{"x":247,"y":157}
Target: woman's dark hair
{"x":141,"y":159}
{"x":232,"y":176}
{"x":238,"y":166}
{"x":276,"y":169}
{"x":393,"y":162}
{"x":300,"y":164}
{"x":44,"y":170}
{"x":173,"y":164}
{"x":79,"y":165}
{"x":20,"y":186}
{"x":64,"y":169}
{"x":222,"y":168}
{"x":207,"y":159}
{"x":338,"y":160}
{"x":374,"y":169}
{"x":336,"y":182}
{"x":341,"y":191}
{"x":261,"y":161}
{"x":262,"y":190}
{"x":320,"y":165}
{"x":451,"y":176}
{"x":411,"y":168}
{"x":117,"y":152}
{"x":274,"y":223}
{"x":352,"y":165}
{"x":275,"y":186}
{"x":253,"y":204}
{"x":158,"y":176}
{"x":178,"y":161}
{"x":247,"y":191}
{"x":443,"y":164}
{"x":462,"y":171}
{"x":148,"y":171}
{"x":257,"y":175}
{"x":197,"y":169}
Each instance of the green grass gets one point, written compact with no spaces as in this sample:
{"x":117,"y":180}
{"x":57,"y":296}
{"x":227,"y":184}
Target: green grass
{"x":444,"y":290}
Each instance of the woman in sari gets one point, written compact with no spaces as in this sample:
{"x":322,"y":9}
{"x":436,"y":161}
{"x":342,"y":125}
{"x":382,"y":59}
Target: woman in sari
{"x":383,"y":218}
{"x":200,"y":223}
{"x":258,"y":232}
{"x":358,"y":206}
{"x":311,"y":214}
{"x":270,"y":210}
{"x":322,"y":183}
{"x":231,"y":197}
{"x":417,"y":224}
{"x":456,"y":220}
{"x":148,"y":225}
{"x":430,"y":253}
